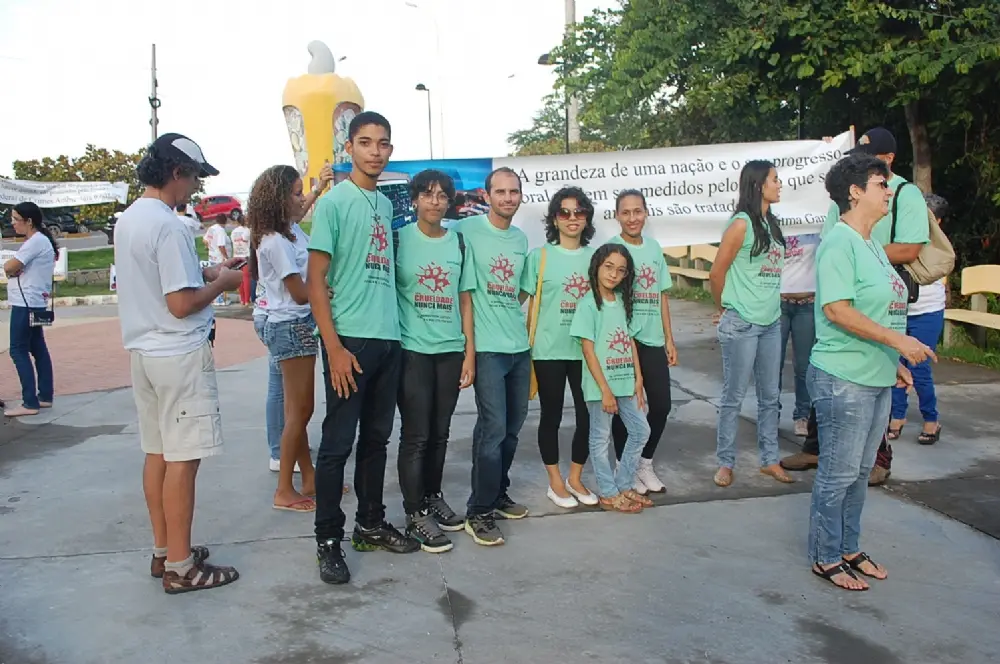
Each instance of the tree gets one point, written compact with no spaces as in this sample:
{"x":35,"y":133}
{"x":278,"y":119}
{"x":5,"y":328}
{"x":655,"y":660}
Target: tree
{"x":682,"y":72}
{"x":547,"y":134}
{"x":95,"y":165}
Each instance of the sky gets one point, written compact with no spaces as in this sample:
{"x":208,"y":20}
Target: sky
{"x":77,"y":71}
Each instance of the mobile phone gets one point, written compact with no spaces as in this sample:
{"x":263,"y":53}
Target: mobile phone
{"x":238,"y":265}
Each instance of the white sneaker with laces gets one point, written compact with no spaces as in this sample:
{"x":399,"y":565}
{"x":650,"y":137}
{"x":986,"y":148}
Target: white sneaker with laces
{"x":647,"y":476}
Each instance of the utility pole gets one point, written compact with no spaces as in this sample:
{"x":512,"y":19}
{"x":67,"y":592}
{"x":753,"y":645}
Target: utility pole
{"x":572,"y":107}
{"x":154,"y":101}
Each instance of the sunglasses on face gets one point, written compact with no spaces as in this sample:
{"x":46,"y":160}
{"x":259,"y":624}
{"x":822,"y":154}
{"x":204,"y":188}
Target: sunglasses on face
{"x":565,"y":214}
{"x":880,"y":183}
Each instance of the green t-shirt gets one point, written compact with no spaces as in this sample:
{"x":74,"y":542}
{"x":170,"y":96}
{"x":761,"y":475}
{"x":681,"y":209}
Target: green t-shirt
{"x":753,"y":285}
{"x":428,"y":271}
{"x":652,"y":277}
{"x":912,"y":225}
{"x":612,"y":337}
{"x":362,"y":271}
{"x":850,"y":268}
{"x":564,"y":282}
{"x":494,"y":262}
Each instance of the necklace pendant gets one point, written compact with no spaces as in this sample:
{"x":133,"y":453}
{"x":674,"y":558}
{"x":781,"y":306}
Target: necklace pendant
{"x":377,"y":219}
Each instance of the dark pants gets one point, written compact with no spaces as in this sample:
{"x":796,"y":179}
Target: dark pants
{"x":502,"y":385}
{"x":28,"y":342}
{"x":369,"y":412}
{"x":552,"y":376}
{"x":811,"y":445}
{"x":428,"y":393}
{"x":656,"y":379}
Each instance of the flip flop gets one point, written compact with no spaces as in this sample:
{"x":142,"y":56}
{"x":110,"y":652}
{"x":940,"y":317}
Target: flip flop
{"x":894,"y":434}
{"x":857,"y":561}
{"x":722,"y":479}
{"x":842,"y":568}
{"x":777,"y":474}
{"x":308,"y":503}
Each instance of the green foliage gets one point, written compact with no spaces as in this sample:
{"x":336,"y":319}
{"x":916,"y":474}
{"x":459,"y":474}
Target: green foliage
{"x":688,"y":72}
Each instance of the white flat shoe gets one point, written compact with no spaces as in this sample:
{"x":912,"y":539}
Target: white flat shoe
{"x":565,"y":503}
{"x":275,"y":466}
{"x":589,"y":498}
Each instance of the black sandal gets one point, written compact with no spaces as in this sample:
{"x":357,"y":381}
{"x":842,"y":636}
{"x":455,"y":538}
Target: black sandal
{"x":894,"y":434}
{"x":858,"y":560}
{"x":841,"y":568}
{"x":929,"y":438}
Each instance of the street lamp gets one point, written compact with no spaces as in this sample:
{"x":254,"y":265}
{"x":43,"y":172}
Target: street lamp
{"x":430,"y":129}
{"x":546,"y":60}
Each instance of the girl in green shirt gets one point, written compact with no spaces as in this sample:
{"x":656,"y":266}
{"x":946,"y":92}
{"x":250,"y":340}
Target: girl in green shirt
{"x":746,"y":287}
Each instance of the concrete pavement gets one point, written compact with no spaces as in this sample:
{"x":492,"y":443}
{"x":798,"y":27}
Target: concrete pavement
{"x":710,"y":575}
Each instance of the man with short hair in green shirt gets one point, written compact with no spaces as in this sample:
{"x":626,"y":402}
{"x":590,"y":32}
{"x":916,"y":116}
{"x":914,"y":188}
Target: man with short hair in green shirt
{"x":912,"y":233}
{"x":352,"y":254}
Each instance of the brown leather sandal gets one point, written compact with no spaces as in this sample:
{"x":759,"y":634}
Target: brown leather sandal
{"x":159,"y":565}
{"x":637,"y":497}
{"x":201,"y":576}
{"x":620,"y":503}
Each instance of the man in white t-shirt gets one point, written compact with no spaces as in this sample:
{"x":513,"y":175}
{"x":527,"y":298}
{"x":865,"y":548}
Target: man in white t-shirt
{"x":217,"y":241}
{"x":190,"y":221}
{"x":241,"y":249}
{"x":164,"y":305}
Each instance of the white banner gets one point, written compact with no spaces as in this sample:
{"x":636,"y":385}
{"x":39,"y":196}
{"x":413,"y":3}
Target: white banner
{"x":59,"y":273}
{"x":61,"y":194}
{"x":691,"y":191}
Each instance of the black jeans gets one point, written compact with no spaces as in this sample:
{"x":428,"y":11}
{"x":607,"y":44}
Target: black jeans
{"x":428,"y":393}
{"x":811,"y":444}
{"x":656,"y":380}
{"x":372,"y":407}
{"x":552,"y":376}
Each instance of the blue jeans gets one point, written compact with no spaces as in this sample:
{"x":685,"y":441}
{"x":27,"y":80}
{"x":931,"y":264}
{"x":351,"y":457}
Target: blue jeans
{"x":623,"y":479}
{"x":748,"y":351}
{"x":851,"y":419}
{"x":502,"y":383}
{"x":28,"y":342}
{"x":926,"y":328}
{"x":274,"y":404}
{"x":798,"y":321}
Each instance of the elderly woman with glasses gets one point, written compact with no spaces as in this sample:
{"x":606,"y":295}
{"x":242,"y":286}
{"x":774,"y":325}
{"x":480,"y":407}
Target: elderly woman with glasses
{"x":860,"y":336}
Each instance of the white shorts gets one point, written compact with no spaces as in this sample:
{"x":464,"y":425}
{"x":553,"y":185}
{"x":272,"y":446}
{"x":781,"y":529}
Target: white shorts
{"x":177,"y":399}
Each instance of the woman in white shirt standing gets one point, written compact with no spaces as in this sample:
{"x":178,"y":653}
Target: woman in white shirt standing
{"x":29,"y":289}
{"x":278,"y":261}
{"x":217,"y":241}
{"x":798,"y":320}
{"x":241,"y":249}
{"x":925,"y":321}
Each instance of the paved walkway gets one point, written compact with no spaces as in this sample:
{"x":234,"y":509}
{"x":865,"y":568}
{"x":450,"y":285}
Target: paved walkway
{"x":710,"y":575}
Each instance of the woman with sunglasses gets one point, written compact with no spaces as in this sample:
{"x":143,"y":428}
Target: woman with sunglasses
{"x":860,"y":336}
{"x":555,"y":277}
{"x":29,"y":289}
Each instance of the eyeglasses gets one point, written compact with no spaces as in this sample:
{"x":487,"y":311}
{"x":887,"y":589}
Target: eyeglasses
{"x":435,"y":197}
{"x":881,"y":183}
{"x":565,"y":214}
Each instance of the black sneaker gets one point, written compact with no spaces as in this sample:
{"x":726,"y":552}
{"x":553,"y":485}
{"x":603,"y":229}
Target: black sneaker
{"x":483,"y":528}
{"x":443,"y":514}
{"x":423,"y":527}
{"x":508,"y":509}
{"x":332,"y":566}
{"x":384,"y":537}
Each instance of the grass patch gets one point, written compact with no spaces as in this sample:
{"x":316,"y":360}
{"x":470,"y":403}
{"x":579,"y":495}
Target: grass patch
{"x":963,"y":350}
{"x":306,"y":226}
{"x":64,"y":289}
{"x":690,"y":294}
{"x":102,"y":258}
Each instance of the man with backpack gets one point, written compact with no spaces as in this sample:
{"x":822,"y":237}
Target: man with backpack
{"x":436,"y":331}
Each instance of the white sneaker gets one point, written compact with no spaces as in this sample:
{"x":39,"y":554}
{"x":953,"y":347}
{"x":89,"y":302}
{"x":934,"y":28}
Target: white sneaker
{"x":640,"y":487}
{"x":588,"y":498}
{"x":275,"y":466}
{"x":647,"y":476}
{"x":566,"y":503}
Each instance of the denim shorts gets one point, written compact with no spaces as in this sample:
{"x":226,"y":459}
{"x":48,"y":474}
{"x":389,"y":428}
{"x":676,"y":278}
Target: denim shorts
{"x":292,"y":338}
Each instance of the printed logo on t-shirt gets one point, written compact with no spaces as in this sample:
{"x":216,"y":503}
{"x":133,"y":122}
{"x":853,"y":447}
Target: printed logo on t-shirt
{"x":501,"y":272}
{"x":434,"y":279}
{"x":898,"y":307}
{"x":575,"y":286}
{"x":793,"y":247}
{"x":770,"y":268}
{"x":619,"y":358}
{"x":646,"y":295}
{"x":379,"y":242}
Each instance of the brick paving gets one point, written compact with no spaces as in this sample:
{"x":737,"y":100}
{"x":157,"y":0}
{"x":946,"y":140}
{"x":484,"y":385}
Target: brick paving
{"x":89,"y":357}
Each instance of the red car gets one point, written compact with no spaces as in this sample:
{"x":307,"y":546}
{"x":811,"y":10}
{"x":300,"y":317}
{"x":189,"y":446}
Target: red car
{"x":211,"y":207}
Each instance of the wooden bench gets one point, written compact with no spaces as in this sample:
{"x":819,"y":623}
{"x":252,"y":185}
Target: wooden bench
{"x":976,"y":281}
{"x":693,"y":269}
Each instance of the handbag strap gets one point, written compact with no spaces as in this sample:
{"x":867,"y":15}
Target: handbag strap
{"x":52,"y":295}
{"x":536,"y":301}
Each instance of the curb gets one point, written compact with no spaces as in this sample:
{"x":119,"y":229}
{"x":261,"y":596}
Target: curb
{"x":82,"y":301}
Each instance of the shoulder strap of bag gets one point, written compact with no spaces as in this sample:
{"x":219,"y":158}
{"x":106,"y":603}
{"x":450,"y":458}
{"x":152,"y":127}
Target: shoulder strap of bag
{"x":536,"y":300}
{"x":461,"y":249}
{"x":895,"y":207}
{"x":395,"y":246}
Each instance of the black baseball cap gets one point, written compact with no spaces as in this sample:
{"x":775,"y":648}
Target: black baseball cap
{"x":183,"y":148}
{"x":877,"y":140}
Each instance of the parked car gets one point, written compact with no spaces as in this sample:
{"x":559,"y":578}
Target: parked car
{"x":211,"y":207}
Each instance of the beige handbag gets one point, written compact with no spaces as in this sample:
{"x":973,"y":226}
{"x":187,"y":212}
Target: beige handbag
{"x":936,"y":259}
